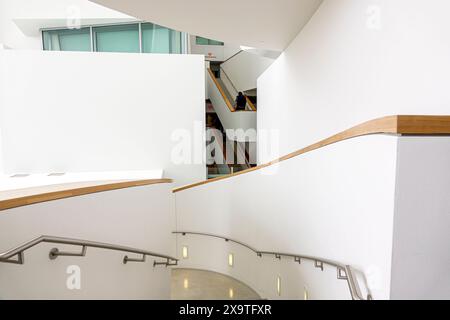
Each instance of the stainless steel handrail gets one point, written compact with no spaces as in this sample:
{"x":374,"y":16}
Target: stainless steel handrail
{"x":234,"y":88}
{"x":231,"y":82}
{"x":234,"y":55}
{"x":344,"y":272}
{"x":19,"y":251}
{"x":216,"y":236}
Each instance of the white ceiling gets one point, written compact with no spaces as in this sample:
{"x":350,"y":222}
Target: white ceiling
{"x":268,"y":24}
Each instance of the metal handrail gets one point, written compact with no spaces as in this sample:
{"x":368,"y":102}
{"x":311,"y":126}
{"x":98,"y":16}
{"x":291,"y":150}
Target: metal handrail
{"x":19,"y":251}
{"x":344,"y":272}
{"x":235,"y":89}
{"x":234,"y":55}
{"x":231,"y":82}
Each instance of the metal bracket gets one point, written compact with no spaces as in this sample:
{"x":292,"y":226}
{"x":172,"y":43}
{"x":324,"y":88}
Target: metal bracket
{"x":126,"y":259}
{"x":20,"y":259}
{"x":55,"y":253}
{"x":167,"y":263}
{"x":318,"y":264}
{"x":341,"y":275}
{"x":172,"y":264}
{"x":298,"y":259}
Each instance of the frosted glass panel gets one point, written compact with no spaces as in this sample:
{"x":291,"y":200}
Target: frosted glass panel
{"x":122,"y":38}
{"x":157,"y":39}
{"x":67,"y":40}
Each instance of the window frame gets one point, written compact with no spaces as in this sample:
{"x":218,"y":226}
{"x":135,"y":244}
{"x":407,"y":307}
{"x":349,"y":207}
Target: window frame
{"x":184,"y":43}
{"x":60,"y":32}
{"x":211,"y":42}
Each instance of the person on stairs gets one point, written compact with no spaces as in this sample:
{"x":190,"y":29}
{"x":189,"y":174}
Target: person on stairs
{"x":241,"y":102}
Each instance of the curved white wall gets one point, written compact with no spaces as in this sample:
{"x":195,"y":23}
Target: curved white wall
{"x":336,"y":202}
{"x":379,"y":203}
{"x":245,"y":68}
{"x":257,"y":23}
{"x":140,"y":217}
{"x":357,"y":60}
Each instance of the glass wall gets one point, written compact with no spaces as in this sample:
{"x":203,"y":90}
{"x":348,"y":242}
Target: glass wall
{"x":120,"y":38}
{"x":116,"y":38}
{"x":67,"y":40}
{"x":207,"y":42}
{"x":157,"y":39}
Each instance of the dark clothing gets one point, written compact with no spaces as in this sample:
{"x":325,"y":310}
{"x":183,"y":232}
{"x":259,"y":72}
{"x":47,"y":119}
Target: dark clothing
{"x":241,"y":102}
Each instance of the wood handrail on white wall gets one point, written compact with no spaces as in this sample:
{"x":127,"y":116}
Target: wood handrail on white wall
{"x":399,"y":124}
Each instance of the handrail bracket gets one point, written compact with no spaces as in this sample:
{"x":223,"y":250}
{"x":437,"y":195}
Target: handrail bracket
{"x":168,"y":263}
{"x":126,"y":259}
{"x":344,"y":272}
{"x":20,"y":259}
{"x":341,"y":274}
{"x":318,"y":264}
{"x":55,"y":253}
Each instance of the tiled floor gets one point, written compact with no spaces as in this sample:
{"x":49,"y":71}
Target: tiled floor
{"x":189,"y":284}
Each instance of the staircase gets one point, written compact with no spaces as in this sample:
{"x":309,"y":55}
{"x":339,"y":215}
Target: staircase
{"x":235,"y":160}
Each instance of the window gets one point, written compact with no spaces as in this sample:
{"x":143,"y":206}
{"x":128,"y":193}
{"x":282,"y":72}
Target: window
{"x":67,"y":40}
{"x":207,"y":42}
{"x":157,"y":39}
{"x":120,"y":38}
{"x":116,"y":38}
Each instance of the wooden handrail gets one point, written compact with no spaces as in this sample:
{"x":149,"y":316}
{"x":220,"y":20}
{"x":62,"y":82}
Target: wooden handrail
{"x":250,"y":103}
{"x":28,"y":196}
{"x":401,"y":124}
{"x":222,"y":92}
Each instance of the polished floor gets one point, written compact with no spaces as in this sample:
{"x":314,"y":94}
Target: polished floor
{"x":189,"y":284}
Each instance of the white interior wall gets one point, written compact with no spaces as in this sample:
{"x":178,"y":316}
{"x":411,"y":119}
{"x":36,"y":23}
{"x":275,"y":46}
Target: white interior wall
{"x":245,"y":68}
{"x":140,"y":217}
{"x":78,"y":112}
{"x":2,"y":73}
{"x":213,"y":53}
{"x":317,"y":204}
{"x":230,"y":50}
{"x":357,"y":60}
{"x":421,"y":248}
